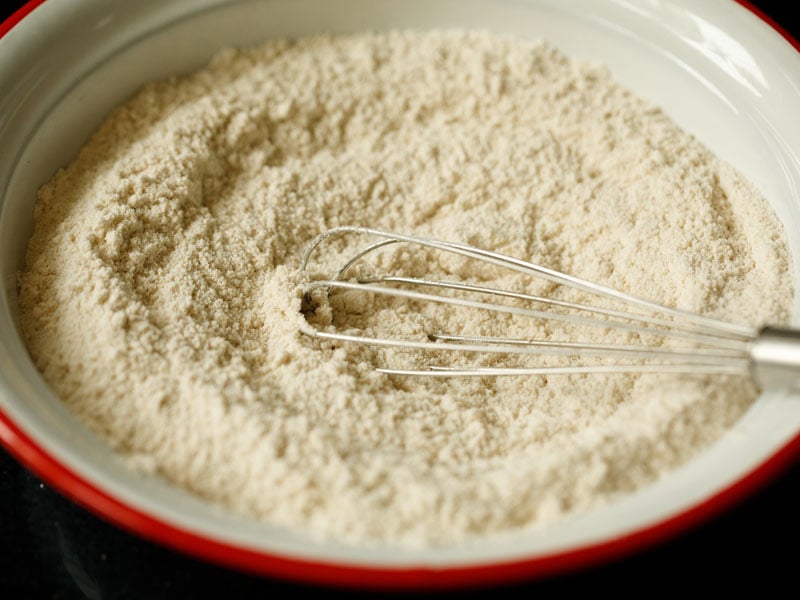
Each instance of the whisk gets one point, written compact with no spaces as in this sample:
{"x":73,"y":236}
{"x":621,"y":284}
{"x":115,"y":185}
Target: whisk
{"x":706,"y":345}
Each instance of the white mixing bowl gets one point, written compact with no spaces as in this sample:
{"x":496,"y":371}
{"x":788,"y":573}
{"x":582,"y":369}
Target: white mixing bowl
{"x":717,"y":69}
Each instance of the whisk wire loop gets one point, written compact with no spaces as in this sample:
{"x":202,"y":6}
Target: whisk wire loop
{"x":712,"y":345}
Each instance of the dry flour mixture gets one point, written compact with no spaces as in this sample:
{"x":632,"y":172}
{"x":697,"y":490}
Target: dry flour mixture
{"x":159,"y":298}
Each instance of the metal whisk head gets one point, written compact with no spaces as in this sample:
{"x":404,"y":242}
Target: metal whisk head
{"x":682,"y":342}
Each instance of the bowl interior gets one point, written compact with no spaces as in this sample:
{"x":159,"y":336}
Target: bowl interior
{"x":734,"y":86}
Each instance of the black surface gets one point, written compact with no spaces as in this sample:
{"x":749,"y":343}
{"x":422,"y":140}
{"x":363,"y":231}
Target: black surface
{"x":50,"y":548}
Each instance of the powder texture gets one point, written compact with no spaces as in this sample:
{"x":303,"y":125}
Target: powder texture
{"x":160,"y":297}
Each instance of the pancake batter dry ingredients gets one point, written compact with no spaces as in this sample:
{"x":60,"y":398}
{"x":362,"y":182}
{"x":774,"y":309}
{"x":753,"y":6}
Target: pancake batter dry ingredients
{"x":160,"y":295}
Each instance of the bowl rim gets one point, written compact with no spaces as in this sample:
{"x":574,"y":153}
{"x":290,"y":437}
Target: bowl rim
{"x":97,"y":501}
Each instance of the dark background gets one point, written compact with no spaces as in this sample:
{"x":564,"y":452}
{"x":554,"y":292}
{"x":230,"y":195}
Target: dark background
{"x":50,"y":548}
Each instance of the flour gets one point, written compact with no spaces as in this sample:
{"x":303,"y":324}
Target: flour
{"x":160,"y":294}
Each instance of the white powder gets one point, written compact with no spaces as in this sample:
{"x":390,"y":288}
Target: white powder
{"x":160,"y":294}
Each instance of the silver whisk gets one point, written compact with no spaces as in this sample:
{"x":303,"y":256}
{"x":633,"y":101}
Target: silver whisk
{"x":771,"y":355}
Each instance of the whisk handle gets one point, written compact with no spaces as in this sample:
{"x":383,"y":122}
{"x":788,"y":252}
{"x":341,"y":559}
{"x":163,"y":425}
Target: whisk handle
{"x":775,"y":356}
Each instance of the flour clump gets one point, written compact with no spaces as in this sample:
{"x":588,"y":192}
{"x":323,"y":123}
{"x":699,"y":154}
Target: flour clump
{"x":160,"y":300}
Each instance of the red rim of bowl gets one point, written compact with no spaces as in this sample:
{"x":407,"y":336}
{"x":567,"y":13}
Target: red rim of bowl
{"x":72,"y":485}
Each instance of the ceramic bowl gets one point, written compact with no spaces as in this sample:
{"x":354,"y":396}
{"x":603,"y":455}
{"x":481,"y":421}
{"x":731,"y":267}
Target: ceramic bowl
{"x":718,"y":70}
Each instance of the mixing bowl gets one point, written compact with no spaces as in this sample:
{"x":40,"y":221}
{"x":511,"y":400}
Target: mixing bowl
{"x":715,"y":67}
